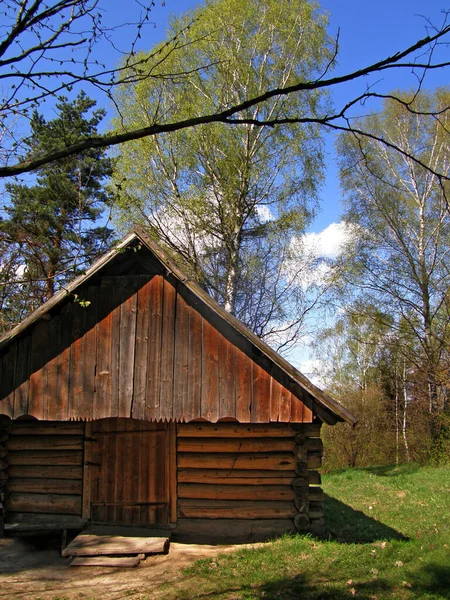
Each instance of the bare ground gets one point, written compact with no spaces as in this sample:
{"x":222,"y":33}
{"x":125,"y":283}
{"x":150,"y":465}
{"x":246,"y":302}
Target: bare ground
{"x":33,"y":569}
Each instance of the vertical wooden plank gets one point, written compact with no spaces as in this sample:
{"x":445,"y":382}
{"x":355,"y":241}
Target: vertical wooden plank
{"x":142,"y":347}
{"x":7,"y":380}
{"x":61,"y":401}
{"x":172,"y":475}
{"x":152,"y":406}
{"x":52,"y":368}
{"x":307,"y":413}
{"x":144,"y":475}
{"x":127,"y":344}
{"x":115,"y":349}
{"x":227,"y":378}
{"x":210,"y":372}
{"x":297,"y":408}
{"x":285,"y":400}
{"x":87,"y":474}
{"x":275,"y":400}
{"x":180,"y":375}
{"x":37,"y":398}
{"x":76,"y":359}
{"x":89,"y":356}
{"x":244,"y":387}
{"x":22,"y":381}
{"x":193,"y":405}
{"x":261,"y":395}
{"x":160,"y":475}
{"x":167,"y":350}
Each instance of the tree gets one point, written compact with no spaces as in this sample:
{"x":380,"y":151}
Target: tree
{"x":399,"y":212}
{"x":48,"y":228}
{"x":228,"y":202}
{"x":49,"y":47}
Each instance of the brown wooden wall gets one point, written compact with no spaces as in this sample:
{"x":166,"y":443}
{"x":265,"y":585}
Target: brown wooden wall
{"x":251,"y":481}
{"x":147,"y":349}
{"x":45,"y":469}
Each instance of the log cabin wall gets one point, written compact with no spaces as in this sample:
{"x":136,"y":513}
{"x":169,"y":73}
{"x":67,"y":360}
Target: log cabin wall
{"x":248,"y":481}
{"x":142,"y":346}
{"x":45,"y":471}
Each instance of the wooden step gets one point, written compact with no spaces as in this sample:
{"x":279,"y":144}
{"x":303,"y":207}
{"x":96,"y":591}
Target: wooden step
{"x":107,"y":561}
{"x":119,"y":541}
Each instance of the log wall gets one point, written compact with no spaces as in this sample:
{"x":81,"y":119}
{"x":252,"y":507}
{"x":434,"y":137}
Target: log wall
{"x":45,"y":470}
{"x":253,"y":481}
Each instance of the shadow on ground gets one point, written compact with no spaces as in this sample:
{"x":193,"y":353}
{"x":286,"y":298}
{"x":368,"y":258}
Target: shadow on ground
{"x":350,"y":526}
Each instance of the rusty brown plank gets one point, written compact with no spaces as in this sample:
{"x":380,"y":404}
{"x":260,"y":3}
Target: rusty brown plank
{"x":152,"y":401}
{"x":192,"y":408}
{"x":127,"y":344}
{"x":142,"y":347}
{"x":210,"y":372}
{"x":167,"y":350}
{"x":22,"y":382}
{"x":180,"y":375}
{"x":37,"y":398}
{"x":227,"y":378}
{"x":244,"y":387}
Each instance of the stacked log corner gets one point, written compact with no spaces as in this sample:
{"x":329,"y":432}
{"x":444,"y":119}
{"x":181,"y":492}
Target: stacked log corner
{"x":248,"y":480}
{"x":5,"y":424}
{"x":309,"y":496}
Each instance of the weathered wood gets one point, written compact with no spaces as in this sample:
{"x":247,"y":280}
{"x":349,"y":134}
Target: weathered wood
{"x":192,"y":407}
{"x":45,"y":458}
{"x":47,"y":428}
{"x":22,"y":382}
{"x":231,"y":530}
{"x":107,"y":561}
{"x":261,"y":392}
{"x":301,"y":503}
{"x":235,"y":477}
{"x":49,"y":472}
{"x":316,"y":494}
{"x":301,"y":522}
{"x":232,"y":430}
{"x":45,"y":486}
{"x":3,"y":451}
{"x":40,"y":442}
{"x":90,"y":544}
{"x":314,"y":478}
{"x":172,"y":475}
{"x":227,"y":378}
{"x":210,"y":372}
{"x":87,"y":473}
{"x":3,"y":464}
{"x":167,"y":349}
{"x":314,"y":445}
{"x":280,"y":461}
{"x":44,"y":503}
{"x":152,"y":401}
{"x":89,"y":351}
{"x":142,"y":347}
{"x":34,"y":521}
{"x":314,"y":461}
{"x":234,"y":509}
{"x":181,"y":360}
{"x":300,"y":485}
{"x":236,"y":492}
{"x":236,"y":445}
{"x":244,"y":386}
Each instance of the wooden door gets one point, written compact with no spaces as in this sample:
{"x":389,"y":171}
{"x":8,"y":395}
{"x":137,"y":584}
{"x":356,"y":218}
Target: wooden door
{"x":130,"y":472}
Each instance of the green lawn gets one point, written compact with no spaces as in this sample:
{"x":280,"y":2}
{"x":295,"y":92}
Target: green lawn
{"x":390,"y":538}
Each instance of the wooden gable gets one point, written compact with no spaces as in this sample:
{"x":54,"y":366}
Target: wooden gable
{"x":141,"y":345}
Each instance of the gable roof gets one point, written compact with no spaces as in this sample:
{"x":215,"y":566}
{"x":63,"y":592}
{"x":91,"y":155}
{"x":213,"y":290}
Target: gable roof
{"x":328,"y":409}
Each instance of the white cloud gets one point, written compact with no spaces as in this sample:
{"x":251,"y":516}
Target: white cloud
{"x":329,"y":242}
{"x":264,"y":213}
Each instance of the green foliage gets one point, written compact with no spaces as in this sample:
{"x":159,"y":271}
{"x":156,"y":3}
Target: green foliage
{"x":227,"y":201}
{"x":48,"y":226}
{"x":388,"y":539}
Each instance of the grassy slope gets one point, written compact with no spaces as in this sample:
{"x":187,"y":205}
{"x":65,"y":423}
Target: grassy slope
{"x":391,"y":530}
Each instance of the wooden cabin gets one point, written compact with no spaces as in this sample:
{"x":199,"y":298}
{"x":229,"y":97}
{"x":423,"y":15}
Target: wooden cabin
{"x":132,"y":398}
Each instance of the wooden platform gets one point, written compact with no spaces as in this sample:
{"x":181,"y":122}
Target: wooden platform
{"x":116,"y":543}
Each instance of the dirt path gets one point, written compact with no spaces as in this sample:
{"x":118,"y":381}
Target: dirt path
{"x":29,"y":571}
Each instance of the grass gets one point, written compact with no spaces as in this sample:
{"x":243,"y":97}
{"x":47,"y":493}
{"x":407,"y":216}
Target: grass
{"x":389,"y":538}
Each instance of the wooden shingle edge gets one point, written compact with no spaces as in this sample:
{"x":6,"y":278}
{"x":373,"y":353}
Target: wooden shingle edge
{"x":328,"y":409}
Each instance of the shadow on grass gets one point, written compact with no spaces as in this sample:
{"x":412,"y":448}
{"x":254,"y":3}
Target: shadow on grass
{"x":434,"y":579}
{"x":393,"y":470}
{"x":350,"y":526}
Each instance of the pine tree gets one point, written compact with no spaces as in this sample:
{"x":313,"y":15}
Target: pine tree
{"x":50,"y":224}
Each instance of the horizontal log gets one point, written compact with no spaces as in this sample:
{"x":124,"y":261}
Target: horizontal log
{"x":45,"y":486}
{"x":314,"y":477}
{"x":314,"y":461}
{"x":233,"y":430}
{"x":300,"y":486}
{"x":3,"y":476}
{"x":235,"y":445}
{"x":46,"y":458}
{"x":3,"y":437}
{"x":231,"y":530}
{"x":307,"y":429}
{"x":3,"y":464}
{"x":270,"y":462}
{"x":315,"y":513}
{"x":300,"y":438}
{"x":3,"y":452}
{"x":40,"y":442}
{"x":314,"y":445}
{"x":301,"y":453}
{"x":233,"y":509}
{"x":301,"y":522}
{"x":30,"y":521}
{"x":47,"y":428}
{"x":301,"y":468}
{"x":301,"y":503}
{"x":235,"y":477}
{"x":44,"y":503}
{"x":236,"y":492}
{"x":50,"y":472}
{"x":316,"y":494}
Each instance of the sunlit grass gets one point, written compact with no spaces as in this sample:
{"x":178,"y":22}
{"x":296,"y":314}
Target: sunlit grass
{"x":389,"y":538}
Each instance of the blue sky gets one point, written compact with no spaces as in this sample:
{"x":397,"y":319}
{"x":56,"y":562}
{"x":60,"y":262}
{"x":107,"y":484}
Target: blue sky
{"x":369,"y":31}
